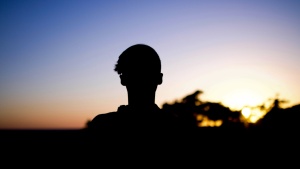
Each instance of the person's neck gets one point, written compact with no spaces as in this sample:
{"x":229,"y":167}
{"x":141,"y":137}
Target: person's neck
{"x":141,"y":99}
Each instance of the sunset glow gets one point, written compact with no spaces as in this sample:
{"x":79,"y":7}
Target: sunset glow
{"x":238,"y":99}
{"x":252,"y":115}
{"x":246,"y":112}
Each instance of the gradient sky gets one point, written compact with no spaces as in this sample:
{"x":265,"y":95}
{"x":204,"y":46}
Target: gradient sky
{"x":57,"y":56}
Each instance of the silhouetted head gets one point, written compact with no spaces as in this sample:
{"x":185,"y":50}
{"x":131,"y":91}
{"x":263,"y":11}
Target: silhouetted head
{"x":139,"y":66}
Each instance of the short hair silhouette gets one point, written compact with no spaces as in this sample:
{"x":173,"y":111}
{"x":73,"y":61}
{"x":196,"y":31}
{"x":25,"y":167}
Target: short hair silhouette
{"x":139,"y":68}
{"x":138,"y":57}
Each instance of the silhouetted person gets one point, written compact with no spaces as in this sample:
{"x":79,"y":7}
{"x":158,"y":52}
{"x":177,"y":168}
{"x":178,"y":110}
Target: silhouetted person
{"x":139,"y":68}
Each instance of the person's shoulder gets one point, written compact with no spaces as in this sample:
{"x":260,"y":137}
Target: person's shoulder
{"x":104,"y":116}
{"x":102,"y":120}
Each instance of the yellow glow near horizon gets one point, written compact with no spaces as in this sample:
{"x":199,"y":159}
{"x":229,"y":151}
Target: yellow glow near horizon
{"x":240,"y":98}
{"x":246,"y":112}
{"x":206,"y":122}
{"x":252,"y":115}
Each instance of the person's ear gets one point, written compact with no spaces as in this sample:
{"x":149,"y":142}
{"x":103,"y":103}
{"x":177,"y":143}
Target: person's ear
{"x":123,"y":80}
{"x":160,"y":79}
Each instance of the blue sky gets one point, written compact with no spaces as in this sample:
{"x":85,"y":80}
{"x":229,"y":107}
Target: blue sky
{"x":57,"y":57}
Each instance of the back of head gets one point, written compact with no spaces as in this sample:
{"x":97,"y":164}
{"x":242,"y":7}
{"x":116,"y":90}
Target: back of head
{"x":138,"y":59}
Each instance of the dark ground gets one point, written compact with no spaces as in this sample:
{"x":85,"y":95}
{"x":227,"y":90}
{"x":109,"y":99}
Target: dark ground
{"x":205,"y":147}
{"x":209,"y":135}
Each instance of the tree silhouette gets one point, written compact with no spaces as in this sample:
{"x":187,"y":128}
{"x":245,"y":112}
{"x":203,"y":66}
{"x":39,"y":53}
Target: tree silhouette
{"x":191,"y":107}
{"x":279,"y":117}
